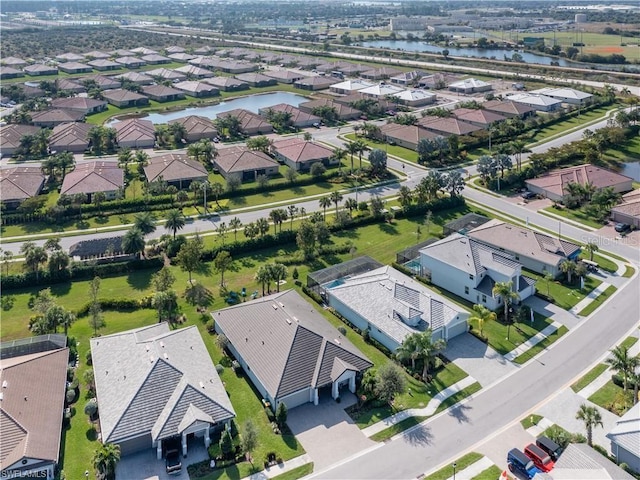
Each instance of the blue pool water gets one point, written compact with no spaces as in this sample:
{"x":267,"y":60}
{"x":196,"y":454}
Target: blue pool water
{"x":335,"y":283}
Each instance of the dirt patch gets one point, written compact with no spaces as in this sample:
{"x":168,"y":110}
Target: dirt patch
{"x":606,"y":49}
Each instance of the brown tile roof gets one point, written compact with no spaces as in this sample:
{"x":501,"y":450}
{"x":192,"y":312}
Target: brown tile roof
{"x":241,"y":159}
{"x":284,"y":75}
{"x":67,"y":135}
{"x":57,"y":115}
{"x":103,"y":63}
{"x":97,"y":54}
{"x":143,"y":51}
{"x":92,"y":177}
{"x":69,"y":57}
{"x":13,"y":61}
{"x":485,"y":117}
{"x":135,"y":77}
{"x":135,"y":129}
{"x":507,"y":106}
{"x":71,"y":67}
{"x":83,"y":104}
{"x":32,"y":406}
{"x":341,"y":109}
{"x":173,"y":167}
{"x":297,"y":115}
{"x":630,"y":204}
{"x":300,"y":151}
{"x":194,"y":70}
{"x":407,"y":133}
{"x":38,"y":68}
{"x":165,"y":73}
{"x":154,"y":57}
{"x":161,"y":91}
{"x":182,"y":57}
{"x":225,"y":82}
{"x":20,"y":183}
{"x":122,"y":95}
{"x":195,"y":124}
{"x":197,"y":87}
{"x":325,"y":82}
{"x":249,"y":120}
{"x":448,"y":125}
{"x":558,"y":180}
{"x":254,"y":77}
{"x":65,"y":84}
{"x":10,"y":135}
{"x":103,"y":82}
{"x":130,"y":61}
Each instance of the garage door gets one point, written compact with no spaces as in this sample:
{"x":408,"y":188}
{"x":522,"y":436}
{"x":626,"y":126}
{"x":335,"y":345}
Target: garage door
{"x":457,"y":329}
{"x":135,"y":445}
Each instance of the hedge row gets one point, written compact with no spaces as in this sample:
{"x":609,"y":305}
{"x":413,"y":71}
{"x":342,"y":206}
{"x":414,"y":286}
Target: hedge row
{"x":118,"y":305}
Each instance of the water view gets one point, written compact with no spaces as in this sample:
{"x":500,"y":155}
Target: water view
{"x":631,"y":169}
{"x":251,"y":102}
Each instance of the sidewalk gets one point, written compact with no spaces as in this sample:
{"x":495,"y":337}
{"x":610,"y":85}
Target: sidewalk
{"x":281,"y":468}
{"x":472,"y":470}
{"x":593,"y":294}
{"x":419,"y":412}
{"x":519,"y":350}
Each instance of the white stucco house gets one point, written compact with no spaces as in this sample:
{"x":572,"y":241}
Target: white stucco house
{"x":625,"y":438}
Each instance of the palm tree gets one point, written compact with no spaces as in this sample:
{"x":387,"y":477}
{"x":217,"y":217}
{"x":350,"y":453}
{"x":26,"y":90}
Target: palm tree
{"x":133,"y":242}
{"x":235,"y":224}
{"x":591,"y":418}
{"x":263,"y":276}
{"x":325,"y":202}
{"x":426,"y":349}
{"x":175,"y":221}
{"x":591,"y":247}
{"x":623,"y":363}
{"x":504,"y":291}
{"x":548,"y":277}
{"x":352,"y":149}
{"x":34,"y":256}
{"x":278,"y":273}
{"x":568,"y":267}
{"x":338,"y":155}
{"x":408,"y":351}
{"x":336,"y":197}
{"x":361,"y":147}
{"x":482,"y":314}
{"x":105,"y":459}
{"x":145,"y":222}
{"x":65,"y":161}
{"x":292,"y":213}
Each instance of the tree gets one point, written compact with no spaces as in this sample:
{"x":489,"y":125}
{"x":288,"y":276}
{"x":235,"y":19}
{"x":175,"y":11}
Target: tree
{"x":317,"y":169}
{"x":43,"y":301}
{"x":144,"y":222}
{"x":263,"y":276}
{"x":98,"y":199}
{"x":591,"y":247}
{"x":278,"y":273}
{"x":34,"y":256}
{"x":324,"y":202}
{"x":7,"y":256}
{"x":336,"y":197}
{"x":390,"y":381}
{"x":487,"y":168}
{"x":306,"y":239}
{"x":249,"y":438}
{"x":57,"y":316}
{"x":591,"y":418}
{"x":378,"y":161}
{"x":568,"y":267}
{"x":424,"y":348}
{"x":260,"y":143}
{"x":222,"y":263}
{"x":352,"y":149}
{"x":96,"y":319}
{"x":105,"y":459}
{"x":293,"y":210}
{"x":262,"y":224}
{"x":454,"y":183}
{"x":251,"y":230}
{"x":281,"y":415}
{"x":163,"y":279}
{"x":548,"y":278}
{"x":58,"y":261}
{"x":190,"y":256}
{"x":91,"y":408}
{"x":175,"y":221}
{"x":504,"y":291}
{"x":623,"y":363}
{"x":133,"y":242}
{"x":482,"y":314}
{"x":166,"y":304}
{"x":235,"y":224}
{"x":64,"y":161}
{"x":226,"y":444}
{"x":291,"y":175}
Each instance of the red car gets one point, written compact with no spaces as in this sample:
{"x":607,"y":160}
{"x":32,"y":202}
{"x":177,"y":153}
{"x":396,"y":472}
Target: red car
{"x":540,"y":458}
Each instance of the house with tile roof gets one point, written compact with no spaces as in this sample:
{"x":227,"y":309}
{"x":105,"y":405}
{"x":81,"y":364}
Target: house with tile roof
{"x":350,"y":86}
{"x":70,"y":86}
{"x":299,"y":154}
{"x":391,"y":306}
{"x":227,"y":84}
{"x":70,"y":137}
{"x":250,"y":123}
{"x":542,"y":103}
{"x":176,"y":169}
{"x":96,"y":55}
{"x":69,"y":57}
{"x":244,"y":164}
{"x":509,"y":109}
{"x":234,"y":67}
{"x":14,"y":62}
{"x":380,"y":73}
{"x":124,"y":98}
{"x":181,"y":57}
{"x":580,"y":461}
{"x":470,"y":85}
{"x":55,"y":116}
{"x":9,"y":72}
{"x":74,"y":67}
{"x":415,"y":98}
{"x":121,"y":52}
{"x":196,"y":127}
{"x":161,"y":93}
{"x":566,"y":95}
{"x":299,"y":118}
{"x":381,"y":91}
{"x":103,"y":82}
{"x":257,"y":79}
{"x":31,"y":408}
{"x":470,"y":269}
{"x":135,"y":133}
{"x":284,"y":76}
{"x":314,"y":83}
{"x":162,"y":74}
{"x":135,"y":77}
{"x":344,"y":112}
{"x":155,"y":384}
{"x":407,"y":79}
{"x":19,"y":183}
{"x":625,"y":438}
{"x":92,"y":177}
{"x":291,"y":354}
{"x":628,"y":210}
{"x":155,"y":59}
{"x":143,"y":51}
{"x":437,"y":81}
{"x":536,"y":251}
{"x":85,"y":105}
{"x":11,"y":136}
{"x":192,"y":71}
{"x":131,"y":62}
{"x":38,"y":69}
{"x":478,"y":117}
{"x":553,"y":185}
{"x":407,"y":136}
{"x":197,"y":89}
{"x":446,"y":126}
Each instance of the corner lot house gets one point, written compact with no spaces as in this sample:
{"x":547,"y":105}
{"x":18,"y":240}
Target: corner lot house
{"x":34,"y":380}
{"x":19,"y":183}
{"x":535,"y":251}
{"x":175,"y":169}
{"x":250,"y":123}
{"x":299,"y":119}
{"x":82,"y":104}
{"x":289,"y":351}
{"x":154,"y":384}
{"x":344,"y":112}
{"x":471,"y":269}
{"x":299,"y":154}
{"x":392,"y":306}
{"x":406,"y":136}
{"x":93,"y":177}
{"x":245,"y":164}
{"x":566,"y":95}
{"x":470,"y":85}
{"x":11,"y":135}
{"x":541,"y":103}
{"x":554,"y":184}
{"x":625,"y":438}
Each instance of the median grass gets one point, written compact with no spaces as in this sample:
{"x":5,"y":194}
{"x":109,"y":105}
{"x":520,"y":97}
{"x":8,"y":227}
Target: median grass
{"x":629,"y":271}
{"x":490,"y":473}
{"x":399,"y":427}
{"x":596,"y":302}
{"x":295,"y":473}
{"x":589,"y":377}
{"x":629,"y":342}
{"x":530,"y":421}
{"x":540,"y":346}
{"x":461,"y":463}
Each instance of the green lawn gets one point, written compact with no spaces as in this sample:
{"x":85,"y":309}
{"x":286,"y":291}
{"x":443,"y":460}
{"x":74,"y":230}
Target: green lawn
{"x":589,"y":377}
{"x":575,"y":121}
{"x":461,"y":463}
{"x":577,"y":215}
{"x":395,"y":150}
{"x":630,"y":151}
{"x":612,"y":397}
{"x":628,"y":271}
{"x":629,"y":342}
{"x":296,"y":473}
{"x":491,"y":473}
{"x":530,"y":421}
{"x":540,"y":346}
{"x":399,"y":427}
{"x":596,"y":302}
{"x":604,"y":263}
{"x":503,"y":338}
{"x":564,"y":296}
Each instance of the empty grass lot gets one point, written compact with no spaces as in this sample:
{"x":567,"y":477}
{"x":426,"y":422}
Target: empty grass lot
{"x":395,"y":150}
{"x":589,"y":377}
{"x":530,"y":421}
{"x":576,"y":121}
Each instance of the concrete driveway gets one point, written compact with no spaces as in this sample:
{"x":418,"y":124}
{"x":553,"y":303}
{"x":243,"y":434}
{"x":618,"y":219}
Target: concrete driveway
{"x":145,"y":466}
{"x":326,"y":432}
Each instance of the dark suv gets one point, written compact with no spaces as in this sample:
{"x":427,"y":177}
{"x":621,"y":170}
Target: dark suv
{"x":172,"y":456}
{"x":517,"y":461}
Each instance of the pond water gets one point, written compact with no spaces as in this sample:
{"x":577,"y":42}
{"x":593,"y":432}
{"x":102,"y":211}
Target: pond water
{"x":631,"y":169}
{"x":251,"y":102}
{"x":498,"y":53}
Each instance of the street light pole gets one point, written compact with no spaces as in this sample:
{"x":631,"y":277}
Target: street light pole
{"x":454,"y":465}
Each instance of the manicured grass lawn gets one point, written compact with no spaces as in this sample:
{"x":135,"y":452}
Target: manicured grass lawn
{"x":589,"y":377}
{"x":537,"y":348}
{"x":296,"y":473}
{"x":604,"y":263}
{"x":573,"y":122}
{"x":461,"y":463}
{"x":530,"y":421}
{"x":612,"y":397}
{"x":564,"y":296}
{"x":628,"y":271}
{"x":399,"y":427}
{"x":577,"y":215}
{"x":596,"y":302}
{"x":395,"y":150}
{"x":461,"y":395}
{"x":629,"y":342}
{"x":630,"y":151}
{"x":490,"y":473}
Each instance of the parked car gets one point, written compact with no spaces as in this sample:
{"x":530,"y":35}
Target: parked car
{"x":541,"y":459}
{"x":552,"y":448}
{"x":172,"y":460}
{"x":518,"y":462}
{"x":528,"y":195}
{"x":622,"y":227}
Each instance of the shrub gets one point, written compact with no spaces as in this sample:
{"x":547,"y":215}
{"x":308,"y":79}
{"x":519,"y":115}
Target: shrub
{"x":70,"y":396}
{"x":226,"y":362}
{"x":236,"y":365}
{"x":211,"y":326}
{"x":88,"y":358}
{"x":343,"y":331}
{"x":219,"y":369}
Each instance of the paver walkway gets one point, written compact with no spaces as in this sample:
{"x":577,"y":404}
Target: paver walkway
{"x":427,"y":411}
{"x":520,"y":349}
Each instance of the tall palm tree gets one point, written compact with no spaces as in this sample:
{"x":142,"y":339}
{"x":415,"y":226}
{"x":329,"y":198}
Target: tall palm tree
{"x":568,"y":267}
{"x":133,"y":242}
{"x":278,"y":272}
{"x":352,"y":149}
{"x":591,"y":418}
{"x":325,"y":202}
{"x":408,"y":351}
{"x":235,"y":224}
{"x":591,"y":247}
{"x":623,"y":363}
{"x":105,"y":459}
{"x":65,"y":161}
{"x":339,"y":154}
{"x":263,"y":276}
{"x":145,"y":222}
{"x":361,"y":147}
{"x":175,"y":221}
{"x":292,"y":213}
{"x":34,"y":257}
{"x":427,"y":349}
{"x":482,"y":314}
{"x":336,"y":197}
{"x":504,"y":291}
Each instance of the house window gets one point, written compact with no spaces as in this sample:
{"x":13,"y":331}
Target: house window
{"x":470,"y":277}
{"x":484,"y":299}
{"x":466,"y":290}
{"x":517,"y":257}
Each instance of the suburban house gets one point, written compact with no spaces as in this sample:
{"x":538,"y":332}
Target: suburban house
{"x":131,"y":62}
{"x":11,"y":136}
{"x":135,"y":77}
{"x":197,"y":89}
{"x":236,"y":67}
{"x":437,"y":81}
{"x":99,"y":250}
{"x":181,"y":57}
{"x":143,"y":51}
{"x":541,"y":103}
{"x":160,"y":93}
{"x":381,"y":90}
{"x":350,"y":86}
{"x":70,"y":86}
{"x":163,"y":74}
{"x":257,"y":79}
{"x":470,"y":85}
{"x":38,"y":69}
{"x":14,"y":62}
{"x":314,"y":83}
{"x":227,"y":84}
{"x":155,"y":384}
{"x":55,"y":116}
{"x":124,"y":98}
{"x":479,"y":118}
{"x":194,"y":72}
{"x":8,"y":72}
{"x":289,"y":351}
{"x":300,"y":154}
{"x":284,"y":76}
{"x":470,"y":269}
{"x":566,"y":95}
{"x":625,"y":438}
{"x":96,"y":54}
{"x":174,"y":49}
{"x":104,"y":65}
{"x":155,"y":59}
{"x":245,"y":164}
{"x":299,"y":119}
{"x":250,"y":123}
{"x":135,"y":133}
{"x":406,"y":136}
{"x":446,"y":126}
{"x":509,"y":109}
{"x":33,"y":374}
{"x":391,"y":306}
{"x":197,"y":127}
{"x":104,"y":83}
{"x":580,"y":461}
{"x":414,"y":98}
{"x":381,"y":73}
{"x":628,"y":211}
{"x":175,"y":169}
{"x":344,"y":112}
{"x":536,"y":251}
{"x":85,"y":105}
{"x":121,"y":52}
{"x":19,"y":183}
{"x":74,"y":67}
{"x":92,"y":177}
{"x":407,"y":79}
{"x":554,"y":184}
{"x":69,"y":57}
{"x":70,"y":137}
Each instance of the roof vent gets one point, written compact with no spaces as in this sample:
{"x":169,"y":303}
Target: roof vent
{"x":166,"y":357}
{"x":288,"y":321}
{"x":4,"y":384}
{"x":201,"y":384}
{"x":281,"y":304}
{"x":296,"y":319}
{"x":162,"y":344}
{"x":275,"y":307}
{"x":337,"y":341}
{"x":1,"y":396}
{"x":148,"y":348}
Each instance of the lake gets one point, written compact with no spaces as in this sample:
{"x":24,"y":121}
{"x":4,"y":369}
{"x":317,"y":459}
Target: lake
{"x":631,"y":169}
{"x":251,"y":102}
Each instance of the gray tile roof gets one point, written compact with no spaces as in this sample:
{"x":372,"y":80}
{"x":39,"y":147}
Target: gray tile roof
{"x":287,"y":344}
{"x":147,"y":378}
{"x":580,"y":461}
{"x":626,"y":433}
{"x":394,"y":302}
